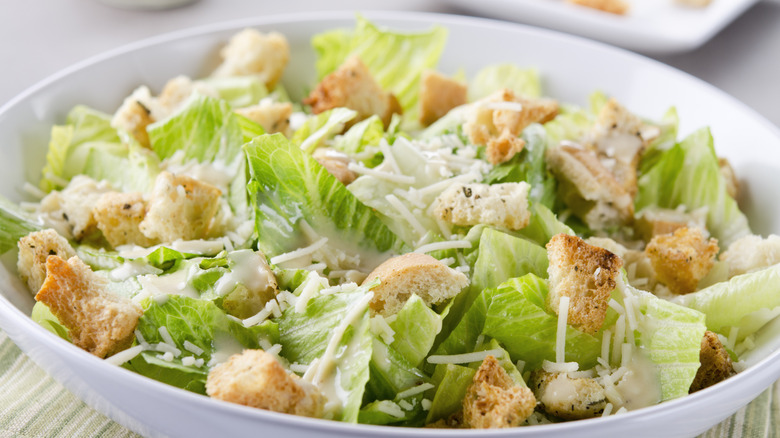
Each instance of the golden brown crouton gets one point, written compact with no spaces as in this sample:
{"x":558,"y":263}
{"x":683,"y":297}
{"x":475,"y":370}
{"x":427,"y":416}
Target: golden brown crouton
{"x":413,"y":273}
{"x":732,"y":183}
{"x":180,"y":207}
{"x":589,"y":189}
{"x":618,"y":7}
{"x":251,"y":53}
{"x":255,"y":378}
{"x":33,"y":250}
{"x":752,"y":253}
{"x":619,"y":138}
{"x":97,"y":320}
{"x":504,"y":116}
{"x":438,"y":95}
{"x":568,"y":398}
{"x":657,"y":221}
{"x":503,"y":205}
{"x":352,"y":86}
{"x":118,"y":216}
{"x":74,"y":205}
{"x":133,"y":116}
{"x":715,"y":363}
{"x":493,"y":400}
{"x":273,"y":117}
{"x":694,"y":3}
{"x":586,"y":274}
{"x":336,"y":163}
{"x":682,"y":259}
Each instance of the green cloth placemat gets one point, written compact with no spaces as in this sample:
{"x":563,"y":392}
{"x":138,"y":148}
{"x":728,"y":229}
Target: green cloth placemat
{"x":33,"y":405}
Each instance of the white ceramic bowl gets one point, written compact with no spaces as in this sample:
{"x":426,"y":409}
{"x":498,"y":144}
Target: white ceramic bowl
{"x":571,"y":67}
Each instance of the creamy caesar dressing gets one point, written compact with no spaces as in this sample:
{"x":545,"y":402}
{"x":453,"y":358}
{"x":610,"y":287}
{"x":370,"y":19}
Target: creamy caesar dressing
{"x":247,"y":268}
{"x":224,"y":346}
{"x":175,"y":283}
{"x":133,"y":268}
{"x":639,"y":387}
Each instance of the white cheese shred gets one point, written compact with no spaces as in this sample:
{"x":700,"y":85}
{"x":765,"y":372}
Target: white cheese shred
{"x":390,"y":408}
{"x":607,"y":410}
{"x":414,"y":390}
{"x":477,"y":356}
{"x":440,"y":246}
{"x":620,"y":332}
{"x":363,"y":170}
{"x":300,"y":252}
{"x":406,"y":214}
{"x":310,"y":288}
{"x":125,"y":355}
{"x":560,"y":334}
{"x":560,"y":367}
{"x":192,"y":348}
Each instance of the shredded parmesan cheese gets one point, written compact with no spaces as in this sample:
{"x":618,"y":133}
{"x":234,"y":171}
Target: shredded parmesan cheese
{"x":560,"y":367}
{"x":406,"y":214}
{"x":363,"y":170}
{"x":560,"y":334}
{"x":477,"y":356}
{"x":414,"y":390}
{"x":125,"y":355}
{"x":300,"y":252}
{"x":440,"y":246}
{"x":192,"y":348}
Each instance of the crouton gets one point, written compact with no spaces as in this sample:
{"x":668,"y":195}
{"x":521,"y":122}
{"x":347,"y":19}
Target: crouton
{"x":438,"y":95}
{"x":752,"y":253}
{"x":273,"y":117}
{"x":715,"y":363}
{"x":251,"y":53}
{"x":255,"y":378}
{"x":352,"y":86}
{"x":74,"y":205}
{"x":681,"y":259}
{"x":118,"y":216}
{"x":589,"y":189}
{"x":97,"y":320}
{"x":134,"y":116}
{"x":619,"y":7}
{"x":502,"y":115}
{"x":336,"y":163}
{"x":180,"y":207}
{"x":732,"y":183}
{"x":694,"y":3}
{"x":413,"y":273}
{"x":502,"y":148}
{"x":34,"y":248}
{"x":656,"y":221}
{"x":175,"y":92}
{"x":502,"y":205}
{"x":493,"y":400}
{"x":568,"y":398}
{"x":619,"y":138}
{"x":586,"y":274}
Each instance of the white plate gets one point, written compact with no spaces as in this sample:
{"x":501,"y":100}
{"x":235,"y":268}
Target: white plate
{"x":571,"y":67}
{"x":650,"y":26}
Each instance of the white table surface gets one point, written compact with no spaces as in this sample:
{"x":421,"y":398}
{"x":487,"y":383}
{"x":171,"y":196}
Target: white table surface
{"x":39,"y":37}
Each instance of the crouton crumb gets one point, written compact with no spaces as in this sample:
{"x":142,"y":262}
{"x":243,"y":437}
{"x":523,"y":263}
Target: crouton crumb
{"x":568,"y":398}
{"x":715,"y":363}
{"x":255,"y":378}
{"x":586,"y":274}
{"x":409,"y":274}
{"x":438,"y":95}
{"x":493,"y":400}
{"x":97,"y":320}
{"x":252,"y":53}
{"x":34,"y":248}
{"x":336,"y":163}
{"x":118,"y":216}
{"x":272,"y":116}
{"x":681,"y":259}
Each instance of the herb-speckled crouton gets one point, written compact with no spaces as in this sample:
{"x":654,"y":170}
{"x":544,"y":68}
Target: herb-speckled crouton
{"x":438,"y":95}
{"x":502,"y":205}
{"x":493,"y":400}
{"x":352,"y":86}
{"x":409,"y":274}
{"x":566,"y":397}
{"x":272,"y":116}
{"x":586,"y":274}
{"x":134,"y":116}
{"x":118,"y":216}
{"x":681,"y":259}
{"x":74,"y":203}
{"x":34,"y":248}
{"x":97,"y":320}
{"x":251,"y":53}
{"x":715,"y":363}
{"x":180,"y":207}
{"x":255,"y":378}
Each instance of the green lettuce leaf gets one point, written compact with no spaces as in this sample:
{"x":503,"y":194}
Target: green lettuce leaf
{"x":43,"y":316}
{"x":524,"y":82}
{"x":238,"y":91}
{"x":288,"y":185}
{"x":321,"y":127}
{"x":451,"y":382}
{"x":132,"y":168}
{"x":369,"y":132}
{"x":14,"y":224}
{"x":688,"y":174}
{"x":416,"y":326}
{"x":390,"y":373}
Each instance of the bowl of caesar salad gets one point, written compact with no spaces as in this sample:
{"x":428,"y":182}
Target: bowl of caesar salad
{"x":395,"y":224}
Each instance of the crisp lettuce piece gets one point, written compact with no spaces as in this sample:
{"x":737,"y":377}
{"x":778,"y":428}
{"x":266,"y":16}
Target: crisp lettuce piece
{"x":451,"y":382}
{"x":321,"y":127}
{"x":416,"y":326}
{"x":287,"y":185}
{"x":43,"y":316}
{"x":543,"y":225}
{"x":514,"y":315}
{"x":85,"y":130}
{"x":668,"y":126}
{"x":523,"y":81}
{"x":369,"y":132}
{"x":201,"y":323}
{"x":395,"y":59}
{"x":238,"y":91}
{"x":205,"y":129}
{"x":529,"y":166}
{"x":390,"y":373}
{"x":306,"y":336}
{"x":688,"y":174}
{"x":746,"y":302}
{"x":14,"y":224}
{"x":572,"y":123}
{"x":670,"y":336}
{"x":131,"y":169}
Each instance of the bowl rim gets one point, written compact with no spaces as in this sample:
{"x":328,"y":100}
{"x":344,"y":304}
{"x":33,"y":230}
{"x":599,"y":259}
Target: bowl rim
{"x":10,"y":313}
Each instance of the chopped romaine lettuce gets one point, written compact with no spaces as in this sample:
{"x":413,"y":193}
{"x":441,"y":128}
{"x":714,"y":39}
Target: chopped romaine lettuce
{"x":524,"y":82}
